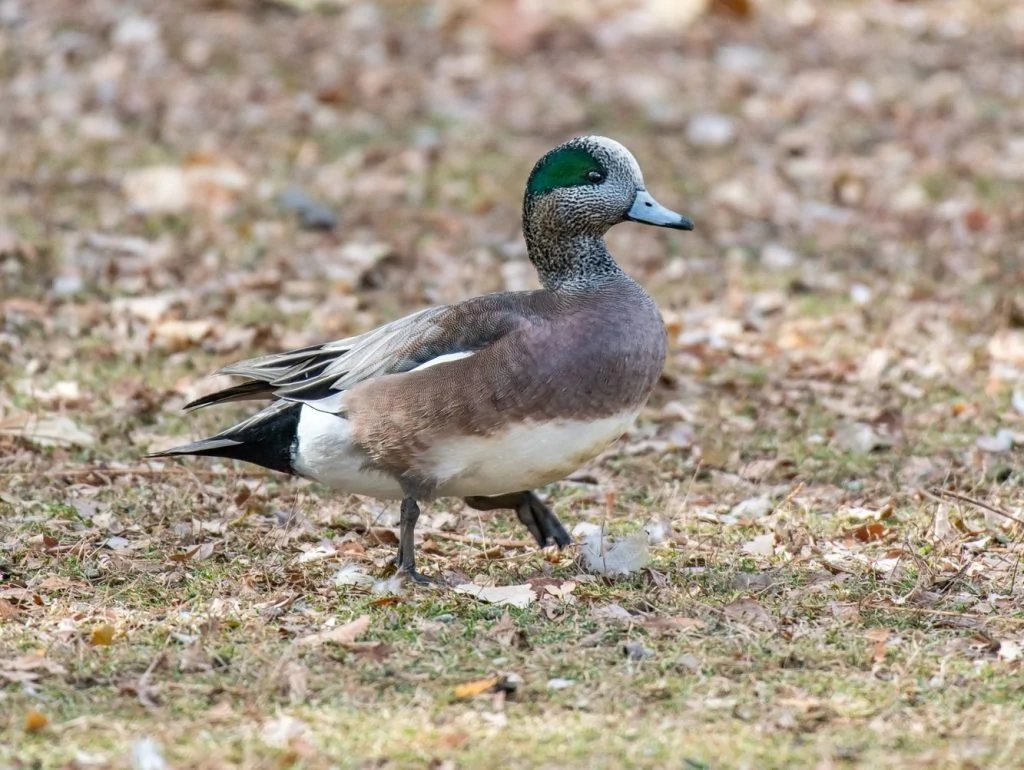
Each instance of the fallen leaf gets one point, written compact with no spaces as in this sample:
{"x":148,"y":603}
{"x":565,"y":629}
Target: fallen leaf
{"x":1009,"y":650}
{"x":173,"y":334}
{"x":762,"y":545}
{"x":611,"y":612}
{"x":751,"y":614}
{"x":57,"y":430}
{"x":185,"y":556}
{"x":1002,"y":441}
{"x":203,"y":182}
{"x":867,"y":533}
{"x":560,"y":684}
{"x":515,"y":596}
{"x":35,"y":722}
{"x":319,"y":553}
{"x":752,"y":508}
{"x":30,"y":664}
{"x":101,"y":636}
{"x":673,"y":626}
{"x":1007,"y":346}
{"x":376,"y":651}
{"x":507,"y":633}
{"x":858,"y":438}
{"x":384,"y":535}
{"x":340,"y":635}
{"x":477,"y":687}
{"x":878,"y":650}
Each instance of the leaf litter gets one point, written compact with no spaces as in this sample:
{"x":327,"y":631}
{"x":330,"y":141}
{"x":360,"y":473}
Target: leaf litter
{"x":844,"y":339}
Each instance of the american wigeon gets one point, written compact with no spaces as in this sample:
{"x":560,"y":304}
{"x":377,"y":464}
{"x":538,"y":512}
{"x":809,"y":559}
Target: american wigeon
{"x":486,"y":399}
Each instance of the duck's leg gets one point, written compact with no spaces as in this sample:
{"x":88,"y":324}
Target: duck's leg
{"x":538,"y":518}
{"x":410,"y":512}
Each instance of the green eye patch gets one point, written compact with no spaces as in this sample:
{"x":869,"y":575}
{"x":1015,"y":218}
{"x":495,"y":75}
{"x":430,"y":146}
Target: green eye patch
{"x":566,"y":167}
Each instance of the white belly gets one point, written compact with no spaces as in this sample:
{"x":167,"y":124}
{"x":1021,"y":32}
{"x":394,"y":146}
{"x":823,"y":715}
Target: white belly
{"x":524,"y":457}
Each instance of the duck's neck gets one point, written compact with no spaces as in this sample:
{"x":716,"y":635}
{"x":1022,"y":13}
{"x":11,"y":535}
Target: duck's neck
{"x":571,"y":262}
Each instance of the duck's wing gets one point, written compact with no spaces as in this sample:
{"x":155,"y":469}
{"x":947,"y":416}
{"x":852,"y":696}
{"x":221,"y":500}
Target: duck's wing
{"x":319,"y":375}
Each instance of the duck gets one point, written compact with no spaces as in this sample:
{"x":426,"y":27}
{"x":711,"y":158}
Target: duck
{"x":487,"y":399}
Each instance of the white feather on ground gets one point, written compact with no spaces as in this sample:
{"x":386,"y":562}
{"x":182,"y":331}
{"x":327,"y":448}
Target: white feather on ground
{"x":606,"y":556}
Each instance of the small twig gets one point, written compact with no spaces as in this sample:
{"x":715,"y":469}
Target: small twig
{"x":789,"y":497}
{"x":140,"y":471}
{"x":946,"y":494}
{"x":944,"y":613}
{"x":489,"y":543}
{"x":142,"y":689}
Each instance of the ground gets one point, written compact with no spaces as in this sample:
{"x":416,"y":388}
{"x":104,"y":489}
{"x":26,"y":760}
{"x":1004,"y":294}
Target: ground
{"x":828,"y":478}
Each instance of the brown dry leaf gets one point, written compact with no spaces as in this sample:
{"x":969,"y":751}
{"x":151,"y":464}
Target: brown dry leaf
{"x":173,"y":334}
{"x":196,"y":553}
{"x":36,"y":722}
{"x":204,"y":182}
{"x":29,"y":668}
{"x":101,"y":636}
{"x":507,"y":633}
{"x":477,"y":687}
{"x":515,"y":596}
{"x":867,"y":533}
{"x":743,"y":9}
{"x":751,"y":614}
{"x":512,"y":26}
{"x":384,"y":535}
{"x":294,"y":681}
{"x":878,"y":650}
{"x":185,"y":556}
{"x":376,"y":651}
{"x":1007,"y":346}
{"x":53,"y":430}
{"x":340,"y":635}
{"x":673,"y":626}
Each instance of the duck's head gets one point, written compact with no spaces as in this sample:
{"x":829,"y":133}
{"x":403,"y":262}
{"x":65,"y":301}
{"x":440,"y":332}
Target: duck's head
{"x":587,"y":185}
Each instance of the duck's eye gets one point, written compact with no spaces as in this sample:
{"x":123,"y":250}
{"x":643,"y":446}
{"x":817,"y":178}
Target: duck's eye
{"x":595,"y":176}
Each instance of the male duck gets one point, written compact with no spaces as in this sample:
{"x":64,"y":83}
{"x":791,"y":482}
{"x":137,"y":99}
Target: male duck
{"x":486,"y":399}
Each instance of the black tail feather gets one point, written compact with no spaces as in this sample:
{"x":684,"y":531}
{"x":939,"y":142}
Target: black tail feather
{"x":247,"y":391}
{"x":267,"y":439}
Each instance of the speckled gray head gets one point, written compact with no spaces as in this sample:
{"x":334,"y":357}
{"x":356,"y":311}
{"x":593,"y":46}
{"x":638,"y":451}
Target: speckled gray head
{"x":589,"y":184}
{"x":575,"y":193}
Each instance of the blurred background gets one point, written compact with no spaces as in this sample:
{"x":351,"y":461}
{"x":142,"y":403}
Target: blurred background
{"x":188,"y":183}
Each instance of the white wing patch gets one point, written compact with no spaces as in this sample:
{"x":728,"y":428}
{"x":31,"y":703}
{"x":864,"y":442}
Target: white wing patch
{"x":446,"y":358}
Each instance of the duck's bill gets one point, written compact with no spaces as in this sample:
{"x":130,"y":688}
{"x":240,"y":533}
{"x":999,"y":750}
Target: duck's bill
{"x":648,"y":211}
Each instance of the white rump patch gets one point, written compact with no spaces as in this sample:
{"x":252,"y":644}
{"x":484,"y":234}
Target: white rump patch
{"x":325,"y":453}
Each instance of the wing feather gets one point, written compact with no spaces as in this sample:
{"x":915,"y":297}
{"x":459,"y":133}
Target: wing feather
{"x":321,"y":374}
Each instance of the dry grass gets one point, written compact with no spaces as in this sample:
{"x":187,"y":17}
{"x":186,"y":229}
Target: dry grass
{"x":835,"y":449}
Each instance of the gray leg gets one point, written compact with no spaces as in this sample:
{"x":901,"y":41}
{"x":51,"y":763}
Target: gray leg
{"x":410,"y":512}
{"x":538,"y":518}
